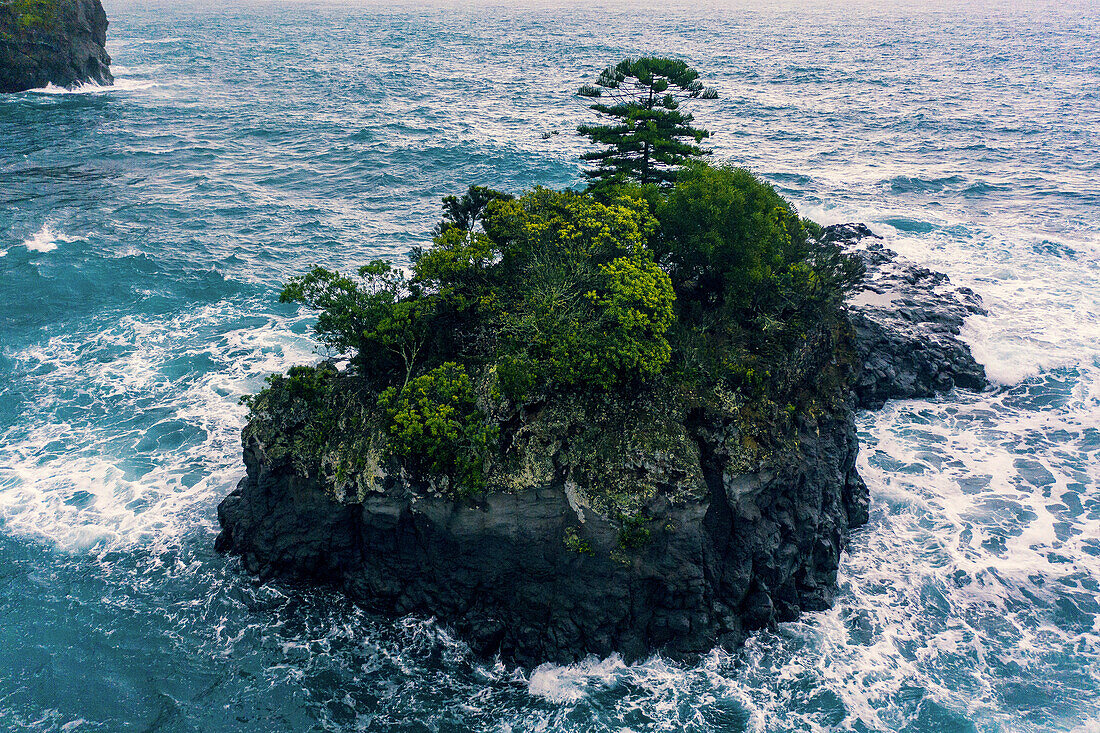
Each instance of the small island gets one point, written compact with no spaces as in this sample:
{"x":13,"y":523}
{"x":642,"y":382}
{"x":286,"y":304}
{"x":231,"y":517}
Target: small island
{"x":612,"y":420}
{"x":59,"y":42}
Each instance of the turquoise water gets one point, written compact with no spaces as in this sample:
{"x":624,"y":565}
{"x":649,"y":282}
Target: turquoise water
{"x":144,"y":230}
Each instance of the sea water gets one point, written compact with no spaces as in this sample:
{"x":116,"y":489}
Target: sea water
{"x":145,"y":230}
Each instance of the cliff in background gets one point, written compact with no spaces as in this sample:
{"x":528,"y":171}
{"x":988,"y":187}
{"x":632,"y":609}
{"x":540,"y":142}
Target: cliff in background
{"x":58,"y":42}
{"x":731,"y":540}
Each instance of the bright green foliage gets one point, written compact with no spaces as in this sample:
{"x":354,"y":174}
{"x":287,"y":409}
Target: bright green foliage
{"x":586,"y":305}
{"x":22,"y":15}
{"x":547,"y":225}
{"x":636,"y":310}
{"x":435,"y":425}
{"x":648,"y":137}
{"x":575,"y":543}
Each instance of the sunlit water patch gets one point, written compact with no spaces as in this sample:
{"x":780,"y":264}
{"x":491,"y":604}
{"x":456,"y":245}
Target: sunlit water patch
{"x":145,"y":228}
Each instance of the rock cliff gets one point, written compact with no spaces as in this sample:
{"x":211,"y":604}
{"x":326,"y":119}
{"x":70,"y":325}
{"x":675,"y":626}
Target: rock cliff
{"x":58,"y":42}
{"x":536,"y":576}
{"x":727,"y":542}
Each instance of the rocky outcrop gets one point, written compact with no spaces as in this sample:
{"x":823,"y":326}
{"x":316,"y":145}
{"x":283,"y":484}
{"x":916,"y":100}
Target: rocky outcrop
{"x":726,"y":540}
{"x":907,"y":322}
{"x":58,"y":42}
{"x":536,"y":575}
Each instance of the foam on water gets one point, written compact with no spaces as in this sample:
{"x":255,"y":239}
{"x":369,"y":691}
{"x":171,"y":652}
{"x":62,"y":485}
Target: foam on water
{"x":47,"y":240}
{"x":121,"y":84}
{"x":136,"y":427}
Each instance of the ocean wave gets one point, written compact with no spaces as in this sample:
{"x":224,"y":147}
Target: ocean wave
{"x":121,"y":84}
{"x":121,"y":444}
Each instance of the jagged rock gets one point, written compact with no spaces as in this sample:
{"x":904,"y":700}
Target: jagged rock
{"x":58,"y":42}
{"x":907,"y":322}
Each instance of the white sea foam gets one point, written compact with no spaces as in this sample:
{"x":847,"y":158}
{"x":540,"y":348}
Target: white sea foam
{"x":146,"y":448}
{"x":121,"y":84}
{"x":47,"y":239}
{"x":570,"y":683}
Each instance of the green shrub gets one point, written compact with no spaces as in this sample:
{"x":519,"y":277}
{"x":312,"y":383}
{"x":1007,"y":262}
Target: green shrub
{"x":389,"y":334}
{"x":581,"y":303}
{"x":575,"y":543}
{"x":298,"y":410}
{"x":726,"y":234}
{"x":29,"y":14}
{"x":634,"y":532}
{"x":435,"y":426}
{"x":635,"y":311}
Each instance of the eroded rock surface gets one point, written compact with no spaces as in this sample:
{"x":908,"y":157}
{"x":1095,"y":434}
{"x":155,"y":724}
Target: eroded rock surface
{"x":536,"y":576}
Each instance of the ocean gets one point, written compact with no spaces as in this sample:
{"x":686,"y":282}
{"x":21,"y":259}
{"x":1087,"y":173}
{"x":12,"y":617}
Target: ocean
{"x":145,"y":230}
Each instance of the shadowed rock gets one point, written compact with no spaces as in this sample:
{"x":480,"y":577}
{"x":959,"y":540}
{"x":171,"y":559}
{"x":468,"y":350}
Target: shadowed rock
{"x":907,"y":321}
{"x":537,"y":575}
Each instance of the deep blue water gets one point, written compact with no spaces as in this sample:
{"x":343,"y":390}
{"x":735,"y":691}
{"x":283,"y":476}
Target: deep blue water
{"x":145,"y":229}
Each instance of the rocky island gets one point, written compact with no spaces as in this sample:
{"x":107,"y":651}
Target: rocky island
{"x":619,"y":420}
{"x":58,"y":42}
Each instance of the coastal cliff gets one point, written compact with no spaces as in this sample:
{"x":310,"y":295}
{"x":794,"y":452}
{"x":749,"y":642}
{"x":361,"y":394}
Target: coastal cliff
{"x":58,"y":42}
{"x":727,"y":537}
{"x":540,"y":574}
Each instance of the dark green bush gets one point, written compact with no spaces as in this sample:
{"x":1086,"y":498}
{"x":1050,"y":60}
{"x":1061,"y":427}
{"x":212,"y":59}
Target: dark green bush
{"x":725,"y":236}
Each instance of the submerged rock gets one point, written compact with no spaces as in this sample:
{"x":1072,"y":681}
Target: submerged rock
{"x":907,"y":322}
{"x":726,"y":536}
{"x":58,"y":42}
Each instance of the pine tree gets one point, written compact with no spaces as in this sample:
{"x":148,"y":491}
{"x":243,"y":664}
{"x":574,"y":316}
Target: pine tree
{"x":649,"y":135}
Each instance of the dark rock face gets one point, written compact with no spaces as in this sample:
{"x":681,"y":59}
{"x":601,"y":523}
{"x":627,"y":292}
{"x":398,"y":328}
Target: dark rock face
{"x":759,"y":548}
{"x":537,"y":574}
{"x":907,"y":321}
{"x":57,"y":42}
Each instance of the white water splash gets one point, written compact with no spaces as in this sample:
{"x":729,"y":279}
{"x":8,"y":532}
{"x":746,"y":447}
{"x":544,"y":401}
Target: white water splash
{"x":47,"y":239}
{"x":125,"y":443}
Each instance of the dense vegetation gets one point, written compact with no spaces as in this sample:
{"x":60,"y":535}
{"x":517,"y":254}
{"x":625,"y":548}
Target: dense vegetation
{"x":699,"y":295}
